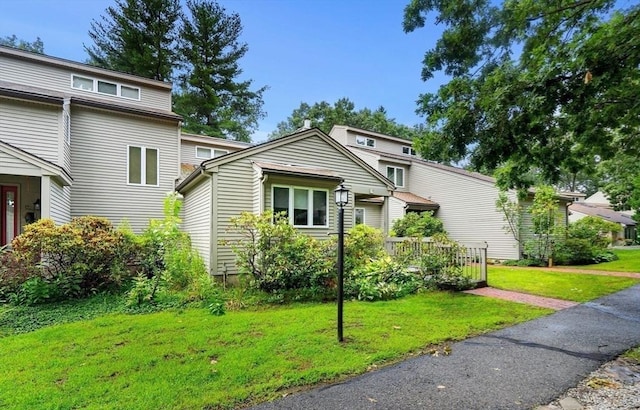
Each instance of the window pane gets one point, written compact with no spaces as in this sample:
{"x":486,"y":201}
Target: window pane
{"x":219,"y":152}
{"x":203,"y":152}
{"x":359,"y":216}
{"x":129,"y":92}
{"x":107,"y":88}
{"x":152,"y":166}
{"x":399,"y":177}
{"x":371,"y":142}
{"x":319,"y":208}
{"x":300,"y":206}
{"x":391,"y":173}
{"x":83,"y":83}
{"x":135,"y":165}
{"x":281,"y":200}
{"x":360,"y":141}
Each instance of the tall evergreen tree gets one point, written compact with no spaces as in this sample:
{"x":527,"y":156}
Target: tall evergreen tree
{"x":211,"y":98}
{"x":137,"y":37}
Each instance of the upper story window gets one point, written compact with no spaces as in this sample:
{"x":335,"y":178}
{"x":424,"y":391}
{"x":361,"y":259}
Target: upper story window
{"x":365,"y":141}
{"x":304,"y":207}
{"x":142,"y":166}
{"x":207,"y":153}
{"x":396,"y":175}
{"x":408,"y":150}
{"x":104,"y":87}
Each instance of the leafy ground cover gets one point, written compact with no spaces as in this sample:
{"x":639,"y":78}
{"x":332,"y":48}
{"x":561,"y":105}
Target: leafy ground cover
{"x":628,"y":261}
{"x":561,"y":285}
{"x":191,"y":359}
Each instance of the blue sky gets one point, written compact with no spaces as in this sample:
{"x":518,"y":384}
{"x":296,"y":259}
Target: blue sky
{"x":304,"y":50}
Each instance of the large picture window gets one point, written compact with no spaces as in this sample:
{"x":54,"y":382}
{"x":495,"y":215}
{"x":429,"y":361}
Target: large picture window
{"x":304,"y":207}
{"x":142,"y":164}
{"x":396,"y":175}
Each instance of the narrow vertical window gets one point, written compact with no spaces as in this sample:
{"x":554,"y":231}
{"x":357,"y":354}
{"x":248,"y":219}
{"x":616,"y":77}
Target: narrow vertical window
{"x":135,"y":165}
{"x":358,"y":216}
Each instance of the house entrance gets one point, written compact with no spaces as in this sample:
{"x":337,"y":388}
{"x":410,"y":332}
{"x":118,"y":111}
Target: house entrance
{"x":8,"y":213}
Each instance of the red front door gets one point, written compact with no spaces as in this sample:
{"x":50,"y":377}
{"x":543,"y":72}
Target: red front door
{"x":8,"y":214}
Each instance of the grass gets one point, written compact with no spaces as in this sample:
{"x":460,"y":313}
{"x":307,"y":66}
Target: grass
{"x":189,"y":358}
{"x":628,"y":261}
{"x":560,"y":285}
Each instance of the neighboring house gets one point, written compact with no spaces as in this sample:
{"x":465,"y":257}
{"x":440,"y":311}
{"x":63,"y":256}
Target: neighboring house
{"x":598,"y":205}
{"x":80,"y":140}
{"x":296,"y":174}
{"x":465,"y":201}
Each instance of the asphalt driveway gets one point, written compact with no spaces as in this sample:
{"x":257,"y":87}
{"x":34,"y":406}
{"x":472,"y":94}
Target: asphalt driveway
{"x":519,"y":367}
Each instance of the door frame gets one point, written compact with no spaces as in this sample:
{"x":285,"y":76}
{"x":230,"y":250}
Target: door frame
{"x":3,"y":211}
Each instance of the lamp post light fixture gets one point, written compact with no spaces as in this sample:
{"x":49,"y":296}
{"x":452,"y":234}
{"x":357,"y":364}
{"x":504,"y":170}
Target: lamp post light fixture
{"x":342,"y":199}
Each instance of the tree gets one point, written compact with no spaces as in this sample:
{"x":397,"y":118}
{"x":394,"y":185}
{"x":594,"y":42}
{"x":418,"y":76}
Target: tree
{"x":211,"y":98}
{"x":137,"y":37}
{"x":536,"y":86}
{"x":36,"y":46}
{"x":324,"y":116}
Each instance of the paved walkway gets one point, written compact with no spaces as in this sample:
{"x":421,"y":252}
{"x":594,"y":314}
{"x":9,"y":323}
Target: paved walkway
{"x":519,"y":367}
{"x":550,"y":303}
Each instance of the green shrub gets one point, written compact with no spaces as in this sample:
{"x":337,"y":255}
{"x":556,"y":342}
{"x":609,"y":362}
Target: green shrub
{"x":422,"y":224}
{"x":362,"y":244}
{"x":440,"y":266}
{"x":168,"y":261}
{"x":381,"y":279}
{"x":275,"y":257}
{"x":574,"y":251}
{"x":593,"y":229}
{"x":13,"y":274}
{"x":71,"y":260}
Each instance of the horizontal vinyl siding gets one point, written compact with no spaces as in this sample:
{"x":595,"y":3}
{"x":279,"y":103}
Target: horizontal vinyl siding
{"x":526,"y":232}
{"x":59,"y":79}
{"x":99,"y":157}
{"x":197,"y":218}
{"x":10,"y":165}
{"x":60,"y":203}
{"x":233,"y":196}
{"x":31,"y":127}
{"x":467,"y":208}
{"x":396,"y":210}
{"x":373,"y":215}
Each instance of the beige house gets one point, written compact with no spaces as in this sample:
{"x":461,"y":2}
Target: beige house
{"x":464,"y":201}
{"x":598,"y":205}
{"x":78,"y":140}
{"x":296,"y":174}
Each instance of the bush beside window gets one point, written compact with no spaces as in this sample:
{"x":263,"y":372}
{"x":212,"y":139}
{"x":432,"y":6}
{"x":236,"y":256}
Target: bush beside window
{"x":413,"y":224}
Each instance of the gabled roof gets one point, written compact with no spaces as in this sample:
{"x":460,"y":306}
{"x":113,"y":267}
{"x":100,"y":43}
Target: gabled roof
{"x":602,"y":212}
{"x":47,"y":167}
{"x":268,"y":145}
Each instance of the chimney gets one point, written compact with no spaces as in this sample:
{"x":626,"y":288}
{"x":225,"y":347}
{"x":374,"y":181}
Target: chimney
{"x":307,"y":124}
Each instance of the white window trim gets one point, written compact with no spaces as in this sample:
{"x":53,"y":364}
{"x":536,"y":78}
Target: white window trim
{"x":365,"y":140}
{"x":395,"y":175}
{"x":310,"y":198}
{"x":212,"y":152}
{"x":364,"y":215}
{"x":95,"y":87}
{"x":411,"y":150}
{"x":143,"y":166}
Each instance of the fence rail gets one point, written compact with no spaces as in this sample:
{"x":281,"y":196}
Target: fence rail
{"x":471,"y":257}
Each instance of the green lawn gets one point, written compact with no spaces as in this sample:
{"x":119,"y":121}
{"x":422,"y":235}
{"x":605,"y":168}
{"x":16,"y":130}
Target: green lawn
{"x":560,"y":285}
{"x":629,"y":261}
{"x":191,"y":359}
